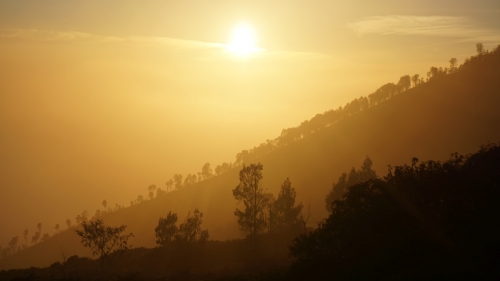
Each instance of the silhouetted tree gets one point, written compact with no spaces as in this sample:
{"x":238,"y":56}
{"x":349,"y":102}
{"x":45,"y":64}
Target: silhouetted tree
{"x":83,"y":217}
{"x":36,"y":237}
{"x":25,"y":236}
{"x":453,"y":65}
{"x":404,"y":83}
{"x":104,"y":204}
{"x":190,"y":230}
{"x":287,"y":214}
{"x":57,"y":227}
{"x":415,"y":80}
{"x":190,"y":179}
{"x":166,"y":229}
{"x":252,"y":220}
{"x":480,"y":49}
{"x":103,"y":240}
{"x":206,"y":171}
{"x":224,"y":167}
{"x":170,"y":185}
{"x":304,"y":218}
{"x":13,"y":244}
{"x":160,"y":192}
{"x":363,"y":103}
{"x":68,"y":223}
{"x":45,"y":237}
{"x":140,"y":198}
{"x":151,"y":190}
{"x":347,"y":180}
{"x":178,"y":181}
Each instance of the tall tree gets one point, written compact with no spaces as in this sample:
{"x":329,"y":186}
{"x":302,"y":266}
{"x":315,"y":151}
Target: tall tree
{"x":166,"y":229}
{"x":252,"y":220}
{"x":287,"y":214}
{"x":104,"y":204}
{"x":68,"y":223}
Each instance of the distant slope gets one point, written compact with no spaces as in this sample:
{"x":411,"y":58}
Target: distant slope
{"x":455,"y":113}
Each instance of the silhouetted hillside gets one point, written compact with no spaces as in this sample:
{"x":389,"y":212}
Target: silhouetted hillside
{"x":453,"y":112}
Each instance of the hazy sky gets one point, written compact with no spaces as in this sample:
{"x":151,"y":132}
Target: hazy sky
{"x":100,"y":99}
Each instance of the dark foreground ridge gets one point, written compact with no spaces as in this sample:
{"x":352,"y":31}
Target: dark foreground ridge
{"x":430,"y":220}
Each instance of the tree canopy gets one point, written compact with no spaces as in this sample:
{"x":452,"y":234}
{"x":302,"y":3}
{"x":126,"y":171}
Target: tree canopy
{"x":252,"y":220}
{"x":437,"y":216}
{"x":102,"y":239}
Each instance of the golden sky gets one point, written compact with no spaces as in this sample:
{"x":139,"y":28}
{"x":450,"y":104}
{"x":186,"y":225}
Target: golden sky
{"x":100,"y":99}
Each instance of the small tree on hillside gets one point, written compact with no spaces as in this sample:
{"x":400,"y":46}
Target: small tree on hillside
{"x":169,"y":184}
{"x":151,"y":190}
{"x":178,"y":181}
{"x":25,"y":236}
{"x":206,"y":171}
{"x":166,"y":229}
{"x":102,"y":239}
{"x":252,"y":220}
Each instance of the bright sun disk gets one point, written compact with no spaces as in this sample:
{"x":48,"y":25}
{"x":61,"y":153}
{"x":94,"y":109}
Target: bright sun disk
{"x":242,"y":40}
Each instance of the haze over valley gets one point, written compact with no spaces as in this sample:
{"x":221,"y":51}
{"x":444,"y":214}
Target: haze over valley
{"x":127,"y":111}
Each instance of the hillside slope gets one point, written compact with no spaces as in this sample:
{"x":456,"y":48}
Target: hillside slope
{"x":455,"y":113}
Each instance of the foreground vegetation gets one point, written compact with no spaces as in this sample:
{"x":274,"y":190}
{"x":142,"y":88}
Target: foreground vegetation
{"x":421,"y":221}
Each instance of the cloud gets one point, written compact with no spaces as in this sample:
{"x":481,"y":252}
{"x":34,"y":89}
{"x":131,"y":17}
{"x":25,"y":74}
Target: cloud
{"x":171,"y":43}
{"x":443,"y":26}
{"x":74,"y":36}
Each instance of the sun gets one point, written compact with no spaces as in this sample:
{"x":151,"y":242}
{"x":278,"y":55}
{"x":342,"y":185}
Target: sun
{"x":242,"y":42}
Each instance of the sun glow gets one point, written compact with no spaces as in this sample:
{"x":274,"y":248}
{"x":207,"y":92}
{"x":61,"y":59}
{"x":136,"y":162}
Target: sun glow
{"x":242,"y":40}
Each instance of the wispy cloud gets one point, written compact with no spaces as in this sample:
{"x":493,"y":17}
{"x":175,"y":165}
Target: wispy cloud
{"x":74,"y":36}
{"x":443,"y":26}
{"x":172,"y":43}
